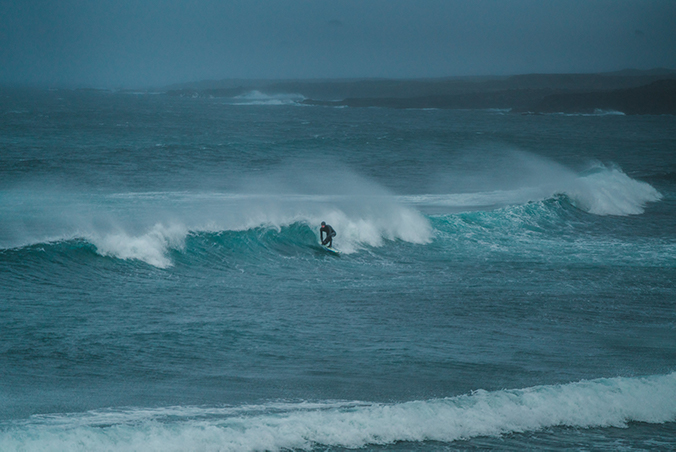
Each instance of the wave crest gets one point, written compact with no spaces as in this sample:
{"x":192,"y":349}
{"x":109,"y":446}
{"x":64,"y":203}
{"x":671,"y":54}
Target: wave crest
{"x":609,"y":191}
{"x":150,"y":247}
{"x":602,"y":190}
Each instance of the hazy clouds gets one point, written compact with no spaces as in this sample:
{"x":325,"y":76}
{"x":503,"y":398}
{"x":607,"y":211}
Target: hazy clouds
{"x":132,"y":43}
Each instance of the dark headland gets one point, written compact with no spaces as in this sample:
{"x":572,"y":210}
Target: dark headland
{"x":630,"y":91}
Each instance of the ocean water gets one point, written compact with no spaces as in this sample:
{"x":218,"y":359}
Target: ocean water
{"x":505,"y":281}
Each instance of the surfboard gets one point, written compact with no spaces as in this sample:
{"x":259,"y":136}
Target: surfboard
{"x":331,"y":250}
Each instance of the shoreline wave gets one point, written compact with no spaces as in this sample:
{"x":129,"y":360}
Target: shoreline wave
{"x":601,"y":403}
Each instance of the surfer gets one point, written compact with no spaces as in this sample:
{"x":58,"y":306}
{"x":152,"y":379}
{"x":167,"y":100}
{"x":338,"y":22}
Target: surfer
{"x":330,"y":234}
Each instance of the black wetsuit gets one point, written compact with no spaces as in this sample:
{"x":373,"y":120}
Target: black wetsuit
{"x":330,"y":234}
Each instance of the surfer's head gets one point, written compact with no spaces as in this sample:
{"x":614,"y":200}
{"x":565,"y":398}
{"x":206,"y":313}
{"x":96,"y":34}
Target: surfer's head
{"x":323,"y":223}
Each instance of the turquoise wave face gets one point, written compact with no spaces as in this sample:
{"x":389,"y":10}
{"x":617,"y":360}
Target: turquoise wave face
{"x":147,"y":226}
{"x":552,"y":231}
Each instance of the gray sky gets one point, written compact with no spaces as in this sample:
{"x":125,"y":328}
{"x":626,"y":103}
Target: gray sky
{"x":140,"y":43}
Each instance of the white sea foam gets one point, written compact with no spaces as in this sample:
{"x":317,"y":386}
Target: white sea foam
{"x":150,"y":247}
{"x":369,"y":221}
{"x":359,"y":220}
{"x":609,"y":191}
{"x":282,"y":426}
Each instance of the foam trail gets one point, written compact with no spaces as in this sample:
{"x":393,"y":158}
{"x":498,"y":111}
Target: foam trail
{"x":598,"y":403}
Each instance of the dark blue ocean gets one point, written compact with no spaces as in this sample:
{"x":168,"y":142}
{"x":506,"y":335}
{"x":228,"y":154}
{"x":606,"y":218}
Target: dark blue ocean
{"x":505,"y":281}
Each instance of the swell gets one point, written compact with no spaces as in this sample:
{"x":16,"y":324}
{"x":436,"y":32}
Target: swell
{"x":552,"y":229}
{"x":162,"y":246}
{"x":601,"y":403}
{"x":150,"y":227}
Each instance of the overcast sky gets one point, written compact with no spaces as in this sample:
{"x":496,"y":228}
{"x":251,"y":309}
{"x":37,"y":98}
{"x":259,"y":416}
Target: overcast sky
{"x":142,"y":43}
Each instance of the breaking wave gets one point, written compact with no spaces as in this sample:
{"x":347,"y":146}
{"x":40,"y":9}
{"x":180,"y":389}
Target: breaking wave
{"x":148,"y":226}
{"x":260,"y":98}
{"x":601,"y":403}
{"x":609,"y":191}
{"x":363,"y":221}
{"x":601,"y":190}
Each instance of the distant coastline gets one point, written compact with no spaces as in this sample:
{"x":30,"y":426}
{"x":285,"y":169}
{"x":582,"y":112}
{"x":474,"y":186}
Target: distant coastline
{"x":630,"y":92}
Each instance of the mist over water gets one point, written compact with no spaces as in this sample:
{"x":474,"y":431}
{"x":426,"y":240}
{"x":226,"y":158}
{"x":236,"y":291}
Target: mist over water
{"x":124,"y":44}
{"x":146,"y":226}
{"x":504,"y":281}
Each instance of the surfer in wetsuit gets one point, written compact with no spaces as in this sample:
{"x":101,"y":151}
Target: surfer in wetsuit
{"x":330,"y":234}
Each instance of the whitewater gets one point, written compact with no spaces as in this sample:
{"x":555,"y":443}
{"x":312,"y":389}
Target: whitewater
{"x":282,"y":426}
{"x":505,"y":281}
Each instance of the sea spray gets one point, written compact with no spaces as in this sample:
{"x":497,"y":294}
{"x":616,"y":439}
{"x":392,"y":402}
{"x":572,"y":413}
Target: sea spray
{"x":146,"y":225}
{"x":146,"y":228}
{"x":609,"y":191}
{"x":600,"y":190}
{"x":150,"y":247}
